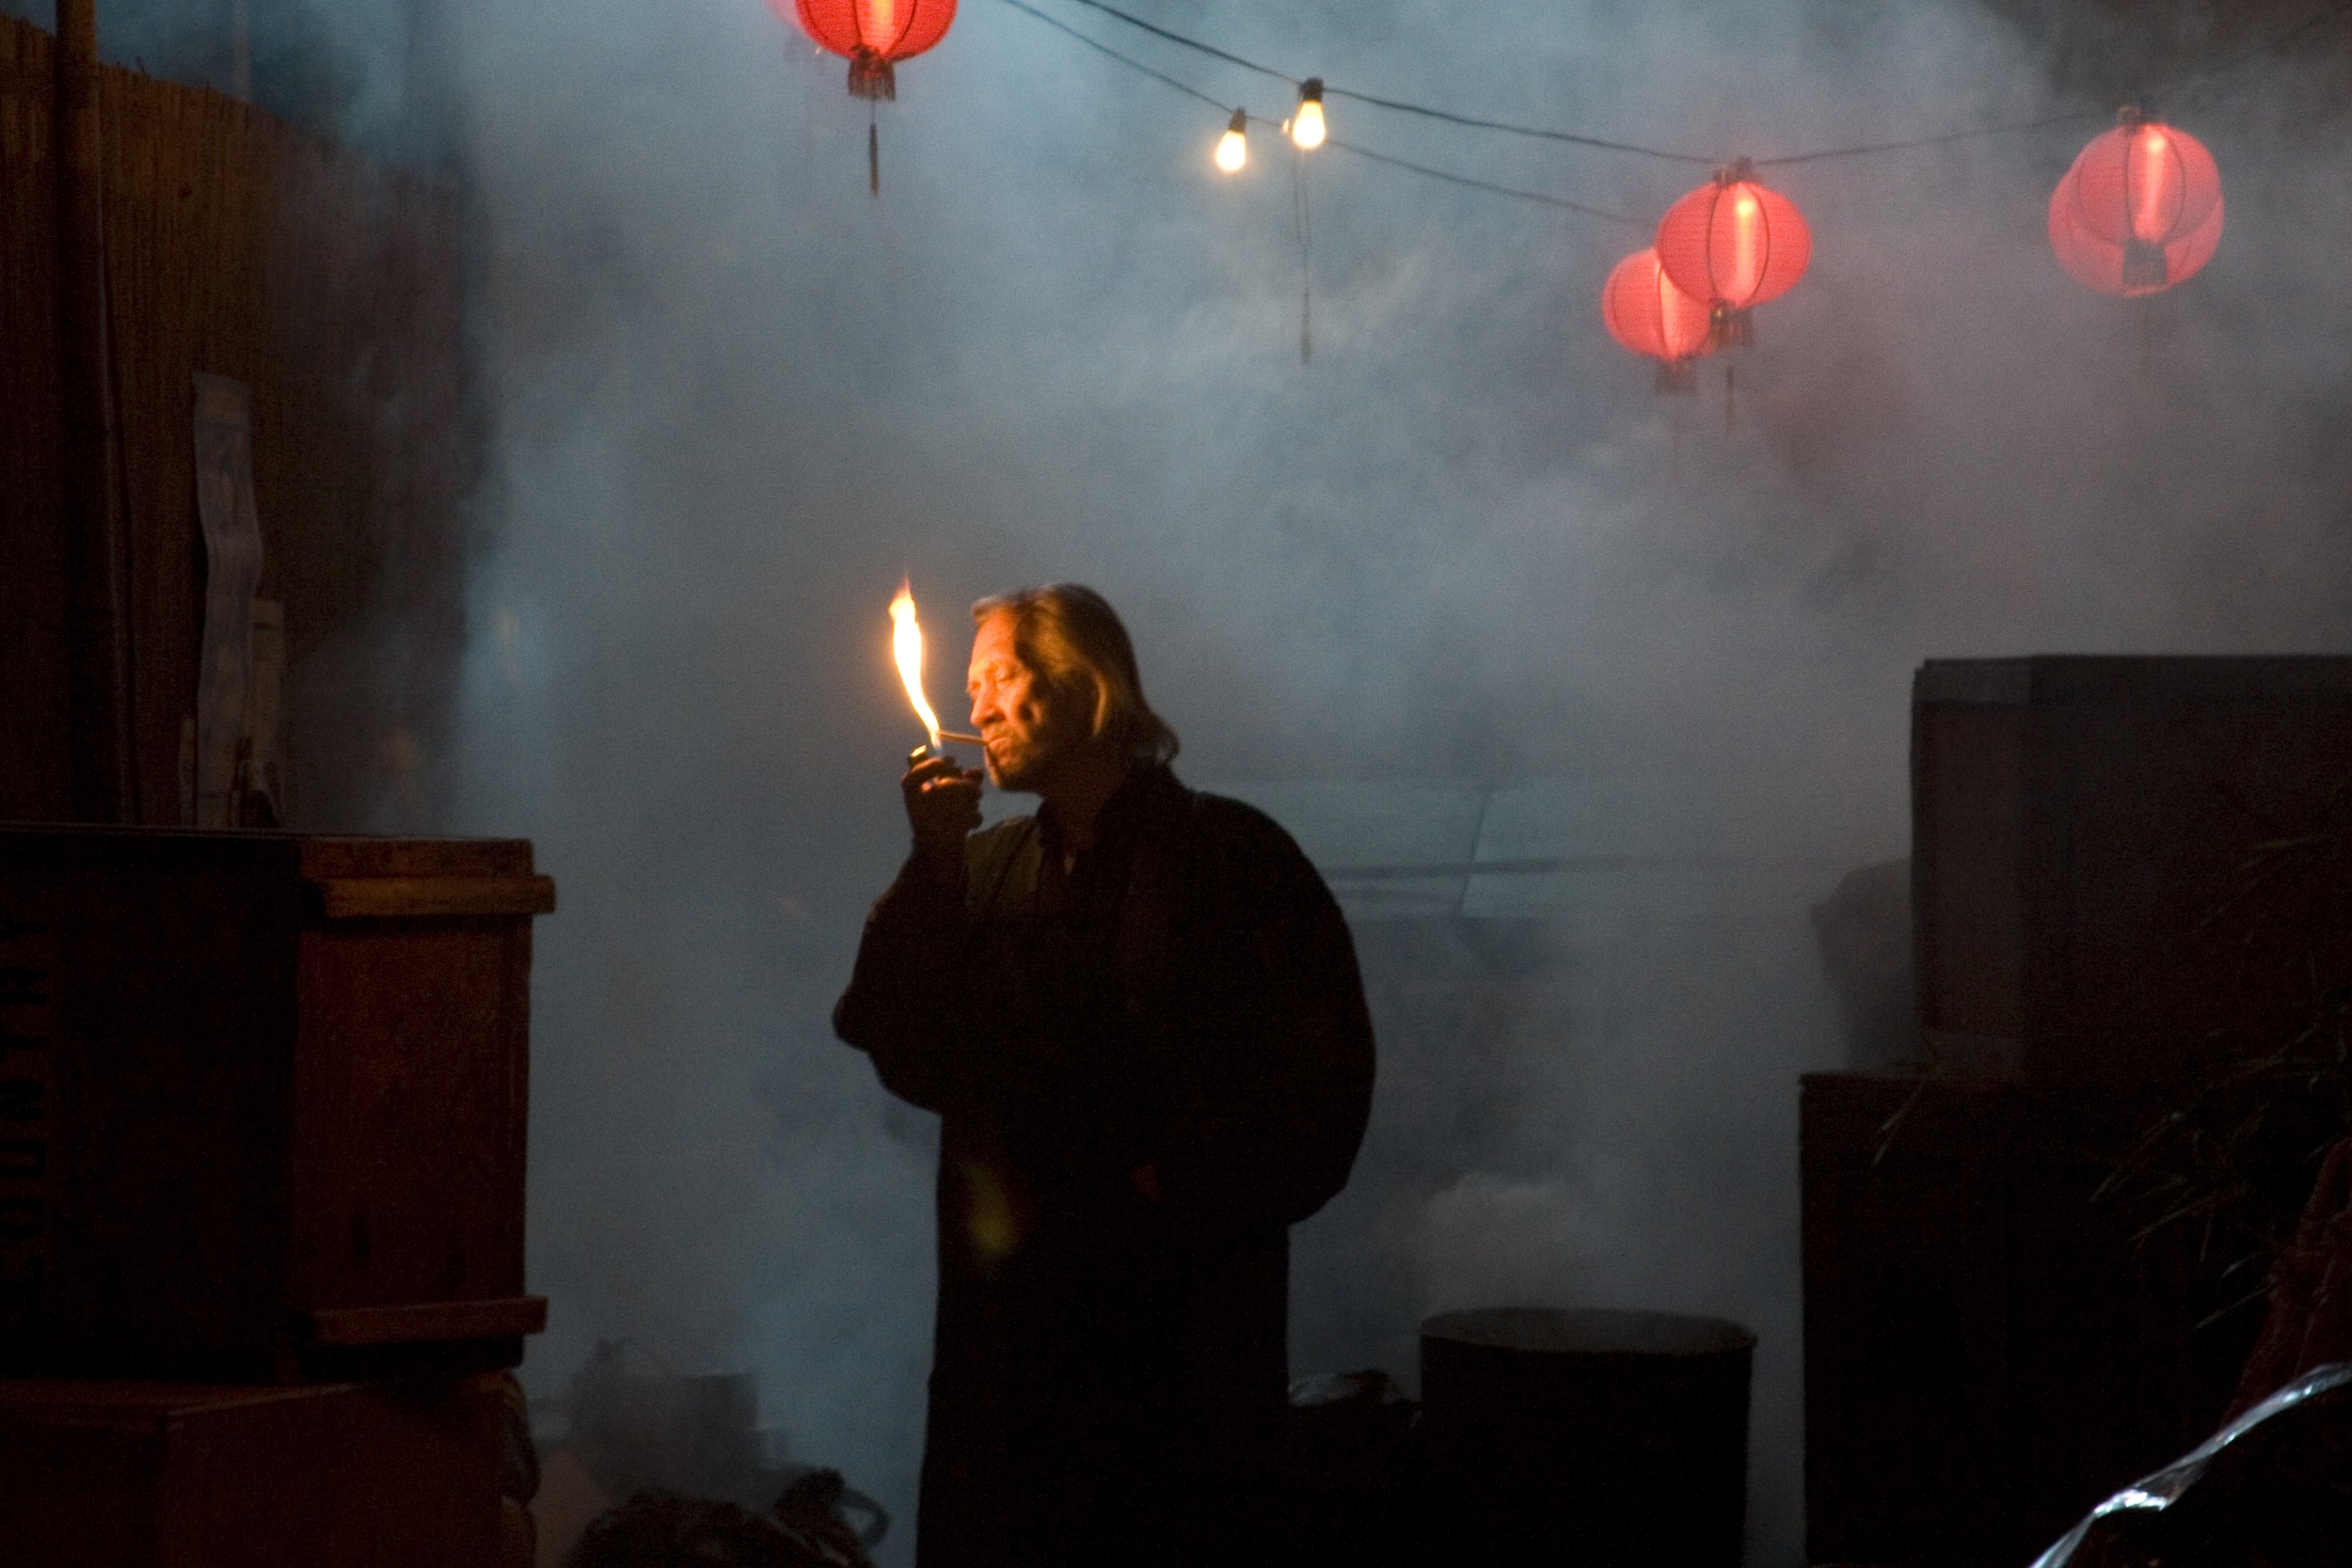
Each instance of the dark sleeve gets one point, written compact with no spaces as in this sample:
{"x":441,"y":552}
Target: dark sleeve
{"x":1272,"y":1128}
{"x":898,"y":1007}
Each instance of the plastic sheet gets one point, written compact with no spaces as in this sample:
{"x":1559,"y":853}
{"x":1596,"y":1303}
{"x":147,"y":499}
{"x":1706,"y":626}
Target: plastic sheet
{"x":2299,"y":1436}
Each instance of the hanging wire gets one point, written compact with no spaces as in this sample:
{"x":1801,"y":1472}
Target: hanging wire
{"x":1129,"y":61}
{"x":1213,"y":52}
{"x":1194,"y":45}
{"x":2075,"y":117}
{"x":2268,"y":46}
{"x":1364,"y":152}
{"x":1571,"y":138}
{"x":1463,"y":180}
{"x":1305,"y":256}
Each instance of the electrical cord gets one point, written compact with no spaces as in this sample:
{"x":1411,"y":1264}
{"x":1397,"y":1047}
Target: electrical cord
{"x":2268,"y":46}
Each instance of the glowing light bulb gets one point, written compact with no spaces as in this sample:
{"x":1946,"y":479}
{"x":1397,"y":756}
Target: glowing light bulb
{"x":1233,"y":149}
{"x":2155,"y":183}
{"x":1747,"y":262}
{"x":1307,"y":128}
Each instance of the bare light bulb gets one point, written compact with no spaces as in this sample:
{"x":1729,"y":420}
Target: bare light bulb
{"x":1307,"y":124}
{"x":1233,"y":149}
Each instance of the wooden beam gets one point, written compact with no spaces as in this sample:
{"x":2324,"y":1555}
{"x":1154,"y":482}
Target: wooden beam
{"x":98,"y":673}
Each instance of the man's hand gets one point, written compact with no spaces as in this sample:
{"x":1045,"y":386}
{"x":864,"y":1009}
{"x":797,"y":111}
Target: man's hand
{"x":943,"y":807}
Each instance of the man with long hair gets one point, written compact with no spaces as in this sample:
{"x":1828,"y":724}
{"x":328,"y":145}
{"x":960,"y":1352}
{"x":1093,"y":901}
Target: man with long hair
{"x":1139,"y":1016}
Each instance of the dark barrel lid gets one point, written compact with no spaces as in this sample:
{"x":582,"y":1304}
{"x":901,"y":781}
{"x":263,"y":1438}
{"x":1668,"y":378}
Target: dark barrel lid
{"x":1584,"y":1331}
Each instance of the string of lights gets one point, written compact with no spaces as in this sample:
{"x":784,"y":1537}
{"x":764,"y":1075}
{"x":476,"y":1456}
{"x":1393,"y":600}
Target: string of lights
{"x":2268,"y":46}
{"x":1233,"y":148}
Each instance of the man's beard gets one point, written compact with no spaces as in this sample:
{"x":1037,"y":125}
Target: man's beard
{"x":1018,"y":772}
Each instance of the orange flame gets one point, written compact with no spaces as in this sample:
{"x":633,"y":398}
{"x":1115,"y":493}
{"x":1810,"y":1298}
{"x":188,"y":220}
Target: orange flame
{"x":906,"y":640}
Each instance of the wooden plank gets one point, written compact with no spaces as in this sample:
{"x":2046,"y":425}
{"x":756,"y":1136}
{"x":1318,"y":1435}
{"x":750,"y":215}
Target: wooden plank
{"x":418,"y":1322}
{"x":423,"y":898}
{"x":332,"y":856}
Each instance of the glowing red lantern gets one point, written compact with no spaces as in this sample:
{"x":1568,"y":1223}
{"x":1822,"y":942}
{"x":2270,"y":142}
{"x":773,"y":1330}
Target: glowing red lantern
{"x":1647,"y":314}
{"x":1734,"y":243}
{"x":2149,"y":194}
{"x":2108,"y":268}
{"x":872,"y":35}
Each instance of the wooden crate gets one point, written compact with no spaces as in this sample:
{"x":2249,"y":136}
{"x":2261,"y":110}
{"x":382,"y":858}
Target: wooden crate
{"x":1987,"y":1352}
{"x":262,"y":1102}
{"x":143,"y":1475}
{"x":2082,"y":829}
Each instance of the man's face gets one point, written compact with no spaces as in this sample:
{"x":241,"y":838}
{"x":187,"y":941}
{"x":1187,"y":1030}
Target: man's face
{"x":1028,"y":723}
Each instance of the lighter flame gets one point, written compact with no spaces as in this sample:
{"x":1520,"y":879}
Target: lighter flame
{"x":906,"y":641}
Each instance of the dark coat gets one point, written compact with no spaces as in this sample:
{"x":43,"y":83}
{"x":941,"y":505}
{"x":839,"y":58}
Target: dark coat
{"x":1147,"y":1069}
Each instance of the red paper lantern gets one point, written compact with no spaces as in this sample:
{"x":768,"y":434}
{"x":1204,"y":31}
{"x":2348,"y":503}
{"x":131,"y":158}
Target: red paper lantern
{"x":2097,"y":264}
{"x":1647,"y":314}
{"x":2149,"y":194}
{"x":872,"y":35}
{"x":1734,"y":243}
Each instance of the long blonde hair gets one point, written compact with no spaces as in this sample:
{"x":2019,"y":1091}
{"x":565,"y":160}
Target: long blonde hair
{"x":1066,"y":633}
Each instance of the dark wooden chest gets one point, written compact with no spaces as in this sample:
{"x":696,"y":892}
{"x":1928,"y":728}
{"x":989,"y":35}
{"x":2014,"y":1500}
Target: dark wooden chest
{"x":145,"y":1475}
{"x":2119,"y":861}
{"x":262,"y":1102}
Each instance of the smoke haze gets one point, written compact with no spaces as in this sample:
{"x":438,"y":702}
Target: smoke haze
{"x":733,"y":398}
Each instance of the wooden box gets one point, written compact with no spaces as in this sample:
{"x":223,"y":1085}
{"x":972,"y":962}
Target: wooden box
{"x":2085,"y":837}
{"x":1987,"y":1354}
{"x":262,"y":1102}
{"x":143,"y":1475}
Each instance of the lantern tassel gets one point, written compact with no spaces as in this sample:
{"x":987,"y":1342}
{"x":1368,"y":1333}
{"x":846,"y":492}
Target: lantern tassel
{"x":1731,"y":422}
{"x":1727,"y":327}
{"x":873,"y":158}
{"x":1677,"y":375}
{"x":871,"y":76}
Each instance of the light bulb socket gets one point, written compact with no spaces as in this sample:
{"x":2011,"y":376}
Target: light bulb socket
{"x":1310,"y":90}
{"x":1240,"y":123}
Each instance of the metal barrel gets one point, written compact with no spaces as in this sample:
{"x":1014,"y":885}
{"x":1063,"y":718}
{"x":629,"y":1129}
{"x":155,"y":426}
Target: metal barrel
{"x":1580,"y":1438}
